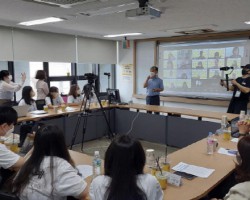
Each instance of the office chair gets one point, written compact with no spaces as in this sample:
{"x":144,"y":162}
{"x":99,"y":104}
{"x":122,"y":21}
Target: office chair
{"x":7,"y":196}
{"x":40,"y":103}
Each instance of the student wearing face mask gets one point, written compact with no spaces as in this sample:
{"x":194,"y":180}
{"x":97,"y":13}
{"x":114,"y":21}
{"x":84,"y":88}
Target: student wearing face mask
{"x":74,"y":98}
{"x":241,"y":191}
{"x":154,"y":86}
{"x":27,"y":98}
{"x":241,"y":90}
{"x":53,"y":98}
{"x":8,"y":88}
{"x":8,"y":159}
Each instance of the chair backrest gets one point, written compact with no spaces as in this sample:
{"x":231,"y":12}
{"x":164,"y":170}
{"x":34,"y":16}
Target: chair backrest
{"x":65,"y":98}
{"x":7,"y":196}
{"x":40,"y":103}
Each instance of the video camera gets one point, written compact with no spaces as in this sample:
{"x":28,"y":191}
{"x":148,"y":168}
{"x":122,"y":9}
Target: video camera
{"x":90,"y":77}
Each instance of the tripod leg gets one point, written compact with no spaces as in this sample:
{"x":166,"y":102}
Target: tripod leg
{"x":78,"y":121}
{"x":75,"y":132}
{"x":85,"y":120}
{"x":110,"y":134}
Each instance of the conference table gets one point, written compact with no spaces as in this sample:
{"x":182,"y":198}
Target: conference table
{"x":180,"y":111}
{"x":194,"y":154}
{"x":171,"y":129}
{"x":139,"y":107}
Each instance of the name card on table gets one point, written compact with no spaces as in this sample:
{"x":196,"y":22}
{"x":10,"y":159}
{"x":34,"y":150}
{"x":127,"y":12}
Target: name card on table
{"x":174,"y":179}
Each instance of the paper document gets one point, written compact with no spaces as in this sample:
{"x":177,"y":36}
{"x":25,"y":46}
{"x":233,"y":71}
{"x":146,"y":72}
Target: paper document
{"x":85,"y":170}
{"x":38,"y":112}
{"x":235,"y":140}
{"x":201,"y":172}
{"x":229,"y":152}
{"x":70,"y":109}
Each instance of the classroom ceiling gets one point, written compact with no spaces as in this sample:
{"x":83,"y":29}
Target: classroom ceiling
{"x":179,"y":15}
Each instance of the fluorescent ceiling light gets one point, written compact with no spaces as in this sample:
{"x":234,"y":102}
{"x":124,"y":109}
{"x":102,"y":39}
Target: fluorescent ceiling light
{"x":41,"y":21}
{"x":122,"y":35}
{"x":247,"y":22}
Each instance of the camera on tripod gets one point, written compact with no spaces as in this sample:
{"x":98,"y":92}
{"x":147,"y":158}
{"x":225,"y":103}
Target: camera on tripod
{"x":90,"y":77}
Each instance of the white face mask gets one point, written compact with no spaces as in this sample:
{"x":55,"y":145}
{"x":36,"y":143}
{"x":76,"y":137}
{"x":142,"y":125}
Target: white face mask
{"x":9,"y":132}
{"x":10,"y":77}
{"x":55,"y":95}
{"x":152,"y":74}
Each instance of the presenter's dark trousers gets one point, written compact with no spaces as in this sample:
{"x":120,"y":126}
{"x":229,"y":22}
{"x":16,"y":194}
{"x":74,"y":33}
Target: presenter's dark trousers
{"x":153,"y":100}
{"x":236,"y":105}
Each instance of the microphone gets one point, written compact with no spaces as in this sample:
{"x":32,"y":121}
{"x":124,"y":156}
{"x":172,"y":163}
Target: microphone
{"x":106,"y":74}
{"x":226,"y":68}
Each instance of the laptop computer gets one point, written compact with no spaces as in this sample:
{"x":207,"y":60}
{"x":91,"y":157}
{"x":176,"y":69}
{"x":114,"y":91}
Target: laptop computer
{"x":22,"y":111}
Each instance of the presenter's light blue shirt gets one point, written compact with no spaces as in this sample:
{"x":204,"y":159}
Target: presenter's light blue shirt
{"x":153,"y":83}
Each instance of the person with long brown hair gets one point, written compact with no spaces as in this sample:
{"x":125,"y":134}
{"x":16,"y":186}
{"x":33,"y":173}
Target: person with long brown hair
{"x":241,"y":191}
{"x":74,"y":98}
{"x":50,"y":172}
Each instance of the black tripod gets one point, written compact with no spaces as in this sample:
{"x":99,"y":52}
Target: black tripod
{"x":89,"y":91}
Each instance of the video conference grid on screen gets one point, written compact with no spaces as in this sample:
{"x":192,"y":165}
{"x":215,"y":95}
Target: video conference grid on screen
{"x":190,"y":70}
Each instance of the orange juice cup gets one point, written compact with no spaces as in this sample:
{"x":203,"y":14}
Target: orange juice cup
{"x":227,"y":135}
{"x":166,"y":166}
{"x":46,"y":108}
{"x":103,"y":102}
{"x":153,"y":170}
{"x":63,"y":106}
{"x":14,"y":147}
{"x":162,"y":179}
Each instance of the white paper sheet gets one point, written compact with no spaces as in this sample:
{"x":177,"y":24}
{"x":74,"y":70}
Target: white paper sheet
{"x":229,"y":152}
{"x":235,"y":140}
{"x":85,"y":170}
{"x":70,"y":109}
{"x":194,"y":170}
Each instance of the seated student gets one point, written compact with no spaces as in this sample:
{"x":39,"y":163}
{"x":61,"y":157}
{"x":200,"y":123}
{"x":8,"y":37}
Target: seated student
{"x":8,"y":159}
{"x":75,"y":98}
{"x":27,"y":98}
{"x":53,"y":98}
{"x":50,"y":172}
{"x":241,"y":191}
{"x":124,"y":178}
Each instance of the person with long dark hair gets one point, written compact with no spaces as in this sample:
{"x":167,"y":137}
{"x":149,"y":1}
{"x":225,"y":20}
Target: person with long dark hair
{"x":241,"y":191}
{"x":41,"y":85}
{"x":74,"y":98}
{"x":27,"y":98}
{"x":54,"y":98}
{"x":50,"y":172}
{"x":124,"y":178}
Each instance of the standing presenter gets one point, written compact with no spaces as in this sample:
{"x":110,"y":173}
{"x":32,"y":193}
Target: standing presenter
{"x":154,"y":86}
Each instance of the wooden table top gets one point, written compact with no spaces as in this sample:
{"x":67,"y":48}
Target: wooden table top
{"x":181,"y":111}
{"x":194,"y":154}
{"x":162,"y":109}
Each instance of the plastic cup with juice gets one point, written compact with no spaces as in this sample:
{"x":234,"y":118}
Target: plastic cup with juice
{"x":162,"y":179}
{"x":46,"y":108}
{"x":166,"y":166}
{"x":63,"y":107}
{"x":226,"y":135}
{"x":103,"y":102}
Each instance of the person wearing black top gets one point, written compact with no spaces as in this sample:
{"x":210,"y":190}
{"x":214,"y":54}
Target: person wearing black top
{"x":241,"y":90}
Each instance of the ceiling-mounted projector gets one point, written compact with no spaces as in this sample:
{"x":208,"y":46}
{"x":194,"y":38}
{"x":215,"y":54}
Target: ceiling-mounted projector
{"x":146,"y":12}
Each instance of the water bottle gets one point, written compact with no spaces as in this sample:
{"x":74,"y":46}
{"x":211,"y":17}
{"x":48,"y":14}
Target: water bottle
{"x":242,"y":115}
{"x":210,"y":144}
{"x":96,"y":164}
{"x":224,"y":125}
